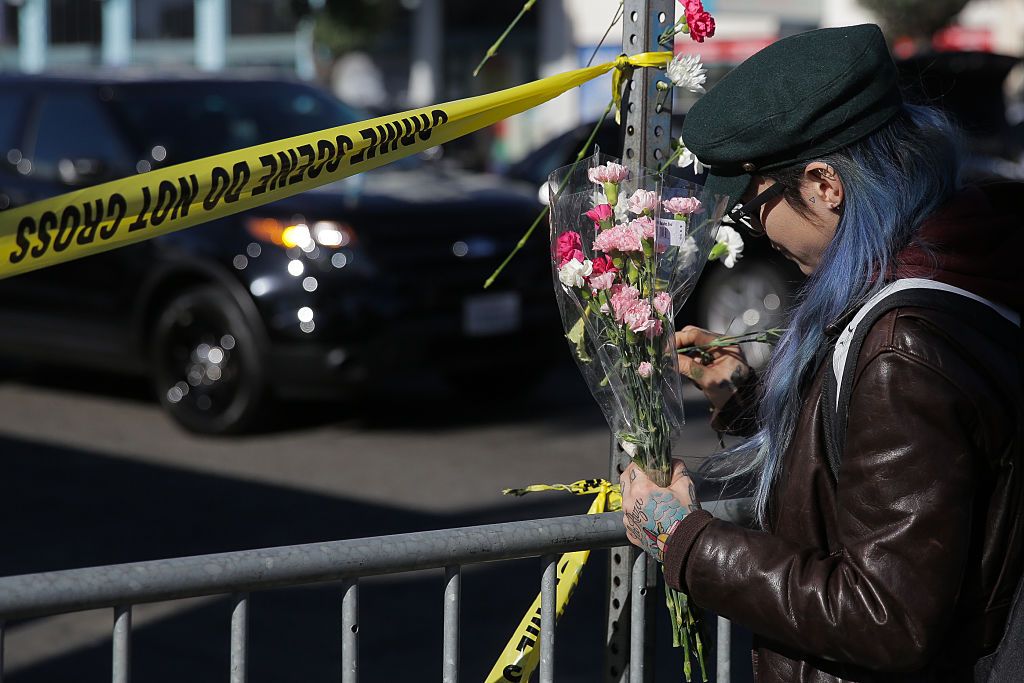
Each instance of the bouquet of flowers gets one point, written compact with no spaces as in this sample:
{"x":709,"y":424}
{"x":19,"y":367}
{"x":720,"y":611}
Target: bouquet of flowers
{"x":626,"y":251}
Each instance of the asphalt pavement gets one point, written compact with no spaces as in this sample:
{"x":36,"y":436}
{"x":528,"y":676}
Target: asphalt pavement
{"x":92,"y":472}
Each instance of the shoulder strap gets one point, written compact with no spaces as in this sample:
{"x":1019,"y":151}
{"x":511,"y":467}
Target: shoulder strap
{"x":990,"y":319}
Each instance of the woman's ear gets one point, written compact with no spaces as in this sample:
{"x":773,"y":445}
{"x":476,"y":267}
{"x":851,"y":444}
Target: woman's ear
{"x":823,"y":186}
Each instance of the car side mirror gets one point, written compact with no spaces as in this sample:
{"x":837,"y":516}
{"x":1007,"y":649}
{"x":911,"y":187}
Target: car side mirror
{"x":81,"y":171}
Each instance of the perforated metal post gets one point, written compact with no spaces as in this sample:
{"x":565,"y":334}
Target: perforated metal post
{"x":647,"y":141}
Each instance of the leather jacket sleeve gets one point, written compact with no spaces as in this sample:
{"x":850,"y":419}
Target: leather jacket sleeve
{"x":884,"y":595}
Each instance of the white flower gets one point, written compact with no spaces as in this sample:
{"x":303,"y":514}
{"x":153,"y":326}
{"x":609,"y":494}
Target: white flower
{"x":688,"y":251}
{"x":598,"y":198}
{"x":729,"y":247}
{"x":621,"y":208}
{"x":629,"y":448}
{"x":687,"y":157}
{"x":573,"y":272}
{"x":686,"y":71}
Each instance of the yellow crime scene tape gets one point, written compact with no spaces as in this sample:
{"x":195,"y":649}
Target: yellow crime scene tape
{"x":521,"y":655}
{"x":137,"y":208}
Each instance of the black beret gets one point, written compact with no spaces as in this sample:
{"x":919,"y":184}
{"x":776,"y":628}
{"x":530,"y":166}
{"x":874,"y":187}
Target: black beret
{"x":797,"y":99}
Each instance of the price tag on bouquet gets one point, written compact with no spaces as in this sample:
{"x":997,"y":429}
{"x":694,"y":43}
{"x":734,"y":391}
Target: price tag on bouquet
{"x":676,"y":231}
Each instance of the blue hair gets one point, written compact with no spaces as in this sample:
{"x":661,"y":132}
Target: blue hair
{"x":892,"y":179}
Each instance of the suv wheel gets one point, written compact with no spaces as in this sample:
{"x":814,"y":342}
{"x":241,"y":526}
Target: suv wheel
{"x":748,"y":298}
{"x":206,"y":368}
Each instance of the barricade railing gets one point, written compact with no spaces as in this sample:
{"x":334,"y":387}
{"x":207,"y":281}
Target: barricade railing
{"x":237,"y":574}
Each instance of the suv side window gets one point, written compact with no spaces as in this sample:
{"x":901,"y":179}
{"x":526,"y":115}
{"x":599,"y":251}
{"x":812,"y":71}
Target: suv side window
{"x":12,"y":117}
{"x":75,"y":140}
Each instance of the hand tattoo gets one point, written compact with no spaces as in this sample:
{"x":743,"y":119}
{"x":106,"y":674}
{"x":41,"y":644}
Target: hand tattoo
{"x":654,"y":520}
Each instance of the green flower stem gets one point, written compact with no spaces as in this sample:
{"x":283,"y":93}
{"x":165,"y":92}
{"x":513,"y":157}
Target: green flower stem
{"x":529,"y":232}
{"x":493,"y":49}
{"x":769,"y":336}
{"x":671,"y":160}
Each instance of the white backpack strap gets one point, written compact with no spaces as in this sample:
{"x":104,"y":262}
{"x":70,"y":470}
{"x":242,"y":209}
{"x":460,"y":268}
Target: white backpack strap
{"x":839,"y":355}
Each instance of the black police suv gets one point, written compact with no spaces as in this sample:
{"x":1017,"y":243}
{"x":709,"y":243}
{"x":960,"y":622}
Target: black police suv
{"x":315,"y":296}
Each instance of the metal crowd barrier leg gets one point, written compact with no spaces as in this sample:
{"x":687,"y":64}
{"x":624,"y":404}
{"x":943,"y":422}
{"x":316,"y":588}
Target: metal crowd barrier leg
{"x":350,"y":632}
{"x":637,"y":616}
{"x":452,"y":590}
{"x":240,"y":638}
{"x":548,"y":595}
{"x":122,"y":644}
{"x":724,"y":650}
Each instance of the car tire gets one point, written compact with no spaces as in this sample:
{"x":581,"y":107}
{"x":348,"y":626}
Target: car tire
{"x":752,"y":296}
{"x":207,"y":368}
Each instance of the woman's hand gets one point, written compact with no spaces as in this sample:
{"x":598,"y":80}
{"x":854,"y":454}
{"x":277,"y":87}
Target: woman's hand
{"x":717,"y":378}
{"x":650,"y":512}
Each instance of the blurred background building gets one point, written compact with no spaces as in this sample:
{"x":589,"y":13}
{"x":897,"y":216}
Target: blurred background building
{"x":390,"y":54}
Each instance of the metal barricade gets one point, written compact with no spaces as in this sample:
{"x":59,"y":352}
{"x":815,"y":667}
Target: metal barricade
{"x":122,"y":586}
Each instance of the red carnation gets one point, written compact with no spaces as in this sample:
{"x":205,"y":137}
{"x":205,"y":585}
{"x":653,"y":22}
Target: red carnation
{"x":603,"y":264}
{"x":699,"y":21}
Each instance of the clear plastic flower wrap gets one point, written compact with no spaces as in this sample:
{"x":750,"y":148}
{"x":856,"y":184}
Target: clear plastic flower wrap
{"x":627,"y":249}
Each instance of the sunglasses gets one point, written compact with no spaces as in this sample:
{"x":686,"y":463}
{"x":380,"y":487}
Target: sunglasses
{"x":749,"y":215}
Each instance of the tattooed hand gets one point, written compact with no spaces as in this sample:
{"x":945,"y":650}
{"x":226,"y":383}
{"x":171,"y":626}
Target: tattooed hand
{"x":651,"y":513}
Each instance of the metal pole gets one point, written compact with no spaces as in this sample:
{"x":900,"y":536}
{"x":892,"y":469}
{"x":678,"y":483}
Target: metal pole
{"x":452,"y":591}
{"x":723,"y":648}
{"x":646,"y":118}
{"x":427,"y":53}
{"x":620,"y":562}
{"x":647,"y":135}
{"x":350,"y":631}
{"x":122,"y":644}
{"x":117,"y":32}
{"x":548,"y":596}
{"x":33,"y":35}
{"x":240,"y":638}
{"x":211,"y":29}
{"x":637,"y":614}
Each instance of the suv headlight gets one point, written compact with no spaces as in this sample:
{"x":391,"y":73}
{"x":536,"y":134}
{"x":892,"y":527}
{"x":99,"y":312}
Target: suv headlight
{"x":329,"y":234}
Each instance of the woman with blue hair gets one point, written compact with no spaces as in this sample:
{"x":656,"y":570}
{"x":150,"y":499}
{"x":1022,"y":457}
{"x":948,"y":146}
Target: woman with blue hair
{"x":886,"y":448}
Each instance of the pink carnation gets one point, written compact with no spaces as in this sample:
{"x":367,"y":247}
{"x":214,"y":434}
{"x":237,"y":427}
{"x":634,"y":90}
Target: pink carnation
{"x":568,"y":242}
{"x":662,"y":302}
{"x":643,"y":226}
{"x":608,"y":240}
{"x":622,"y":299}
{"x":654,"y":330}
{"x":683,"y":205}
{"x":602,"y":281}
{"x":644,"y":369}
{"x":619,"y":238}
{"x":638,"y":316}
{"x":608,"y":173}
{"x":600,"y":213}
{"x":629,"y":240}
{"x":643,"y":201}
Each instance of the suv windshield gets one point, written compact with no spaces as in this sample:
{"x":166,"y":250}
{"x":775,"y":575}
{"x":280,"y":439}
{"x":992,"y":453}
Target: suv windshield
{"x":172,"y":122}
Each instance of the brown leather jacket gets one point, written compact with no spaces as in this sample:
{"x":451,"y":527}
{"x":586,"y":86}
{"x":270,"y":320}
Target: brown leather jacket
{"x":904,"y":568}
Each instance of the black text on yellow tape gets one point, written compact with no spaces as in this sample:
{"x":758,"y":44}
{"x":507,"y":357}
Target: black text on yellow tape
{"x":133,"y":209}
